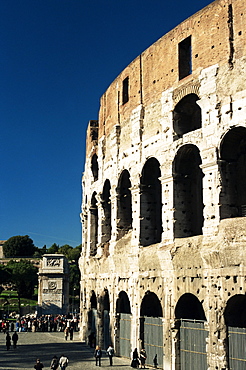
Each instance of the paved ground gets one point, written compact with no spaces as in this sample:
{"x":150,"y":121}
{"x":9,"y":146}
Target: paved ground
{"x":45,"y":345}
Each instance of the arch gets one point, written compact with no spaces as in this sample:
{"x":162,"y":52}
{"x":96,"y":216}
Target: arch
{"x":189,"y":307}
{"x":94,"y":167}
{"x":192,"y":335}
{"x":104,"y":335}
{"x":151,"y":305}
{"x":106,"y":205}
{"x":123,"y":303}
{"x":235,"y":311}
{"x":232,"y":166}
{"x":124,"y":204}
{"x":93,"y":225}
{"x":187,"y":115}
{"x":235,"y":320}
{"x":151,"y":327}
{"x":123,"y":325}
{"x":188,"y":194}
{"x":93,"y":300}
{"x":92,"y":320}
{"x":150,"y":203}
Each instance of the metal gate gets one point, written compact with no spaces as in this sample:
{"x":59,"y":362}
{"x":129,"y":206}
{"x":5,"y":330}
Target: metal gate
{"x":237,"y":345}
{"x":125,"y":335}
{"x":93,"y":320}
{"x":106,"y":329}
{"x":151,"y":334}
{"x":193,"y":353}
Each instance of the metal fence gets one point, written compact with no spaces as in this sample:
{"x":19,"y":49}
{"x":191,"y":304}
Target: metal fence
{"x":193,"y":345}
{"x":125,"y":335}
{"x":152,"y":337}
{"x":237,"y":348}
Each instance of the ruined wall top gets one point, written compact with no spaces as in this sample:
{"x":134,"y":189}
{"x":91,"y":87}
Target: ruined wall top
{"x":215,"y":36}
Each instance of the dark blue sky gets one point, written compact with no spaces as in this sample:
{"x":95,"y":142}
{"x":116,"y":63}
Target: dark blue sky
{"x":57,"y":58}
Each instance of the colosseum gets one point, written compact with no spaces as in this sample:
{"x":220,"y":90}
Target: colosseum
{"x":163,"y":263}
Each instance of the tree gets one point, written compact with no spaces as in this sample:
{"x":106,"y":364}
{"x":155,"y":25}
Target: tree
{"x":18,"y":246}
{"x":24,"y":276}
{"x":74,"y":253}
{"x":53,"y":249}
{"x":65,"y":249}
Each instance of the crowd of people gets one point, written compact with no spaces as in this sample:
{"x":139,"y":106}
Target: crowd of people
{"x":43,"y":323}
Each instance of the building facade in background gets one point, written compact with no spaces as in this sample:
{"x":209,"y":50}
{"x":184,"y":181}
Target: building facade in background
{"x":163,"y":260}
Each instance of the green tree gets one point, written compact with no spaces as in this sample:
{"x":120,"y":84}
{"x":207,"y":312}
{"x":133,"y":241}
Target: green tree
{"x":18,"y":246}
{"x":53,"y":249}
{"x":74,"y":253}
{"x":4,"y":276}
{"x":65,"y":249}
{"x":24,"y":276}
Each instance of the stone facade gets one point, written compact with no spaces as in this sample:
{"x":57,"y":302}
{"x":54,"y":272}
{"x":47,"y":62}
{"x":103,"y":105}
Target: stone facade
{"x":164,"y":199}
{"x":53,"y":285}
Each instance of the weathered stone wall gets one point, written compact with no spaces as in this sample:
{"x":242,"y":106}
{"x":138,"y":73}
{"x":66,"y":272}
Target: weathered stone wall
{"x":198,"y":163}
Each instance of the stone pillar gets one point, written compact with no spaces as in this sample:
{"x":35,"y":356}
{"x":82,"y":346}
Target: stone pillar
{"x":53,"y":288}
{"x":167,"y":209}
{"x":211,"y":190}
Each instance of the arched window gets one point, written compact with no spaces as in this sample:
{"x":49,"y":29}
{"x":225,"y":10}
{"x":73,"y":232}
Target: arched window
{"x":187,"y":115}
{"x":123,"y":303}
{"x":233,"y":173}
{"x":235,"y":320}
{"x":124,"y":204}
{"x":151,"y":305}
{"x":104,"y":305}
{"x":94,"y":167}
{"x":92,"y":319}
{"x":151,"y":327}
{"x":106,"y":205}
{"x":235,"y":311}
{"x":150,"y":203}
{"x":189,"y":307}
{"x":192,"y":334}
{"x":93,"y":225}
{"x":188,"y":196}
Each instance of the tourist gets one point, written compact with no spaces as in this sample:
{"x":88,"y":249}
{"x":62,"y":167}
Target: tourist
{"x":66,"y":331}
{"x":110,"y":352}
{"x":8,"y":341}
{"x":38,"y":365}
{"x":54,"y":363}
{"x":15,"y":339}
{"x":98,"y":355}
{"x":63,"y":362}
{"x":143,"y":357}
{"x":135,"y":359}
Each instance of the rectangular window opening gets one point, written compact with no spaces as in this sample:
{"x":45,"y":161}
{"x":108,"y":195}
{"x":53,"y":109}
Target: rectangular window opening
{"x":125,"y":92}
{"x":185,"y":58}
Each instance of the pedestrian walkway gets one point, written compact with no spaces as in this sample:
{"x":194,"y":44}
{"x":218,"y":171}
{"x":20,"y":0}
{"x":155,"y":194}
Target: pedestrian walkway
{"x":45,"y":345}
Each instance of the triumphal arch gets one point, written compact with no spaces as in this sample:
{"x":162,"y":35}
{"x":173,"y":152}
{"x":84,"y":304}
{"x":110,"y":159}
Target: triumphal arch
{"x":53,"y":285}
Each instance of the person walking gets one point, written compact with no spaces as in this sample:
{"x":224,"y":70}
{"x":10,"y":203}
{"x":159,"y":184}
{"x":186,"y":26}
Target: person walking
{"x":98,"y":355}
{"x":110,"y":352}
{"x":39,"y":365}
{"x":54,"y":363}
{"x":15,"y":339}
{"x":66,"y":331}
{"x":63,"y":362}
{"x":71,"y":332}
{"x":8,"y":341}
{"x":143,"y":357}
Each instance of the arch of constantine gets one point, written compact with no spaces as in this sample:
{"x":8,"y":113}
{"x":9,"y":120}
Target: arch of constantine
{"x":163,"y":260}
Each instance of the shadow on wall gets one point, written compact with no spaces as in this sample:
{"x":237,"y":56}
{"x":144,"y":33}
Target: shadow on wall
{"x":50,"y":309}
